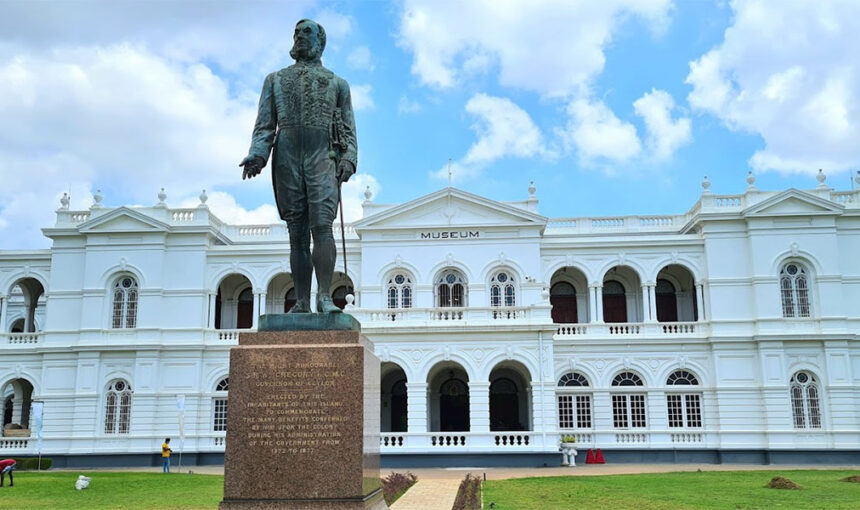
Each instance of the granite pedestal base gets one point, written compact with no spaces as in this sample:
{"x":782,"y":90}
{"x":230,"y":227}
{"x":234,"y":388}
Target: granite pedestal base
{"x":303,"y":419}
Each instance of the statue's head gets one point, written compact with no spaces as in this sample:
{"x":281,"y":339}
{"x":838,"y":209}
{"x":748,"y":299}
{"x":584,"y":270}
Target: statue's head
{"x":308,"y":41}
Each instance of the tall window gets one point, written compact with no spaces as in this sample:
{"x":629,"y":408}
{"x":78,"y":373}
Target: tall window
{"x":125,"y":293}
{"x":804,"y":401}
{"x":794,"y":288}
{"x":451,"y":289}
{"x":219,"y":406}
{"x":562,"y":297}
{"x":614,"y":302}
{"x":684,"y":408}
{"x":400,"y":291}
{"x":574,"y":405}
{"x":503,"y":291}
{"x":118,"y":408}
{"x":628,"y":409}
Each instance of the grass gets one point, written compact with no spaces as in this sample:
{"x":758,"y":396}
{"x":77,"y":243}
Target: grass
{"x":689,"y":490}
{"x":117,"y":490}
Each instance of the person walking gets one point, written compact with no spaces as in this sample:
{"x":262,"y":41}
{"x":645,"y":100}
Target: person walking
{"x":165,"y":454}
{"x":7,"y":466}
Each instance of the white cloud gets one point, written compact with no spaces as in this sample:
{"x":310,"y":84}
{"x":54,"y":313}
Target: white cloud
{"x":548,"y":46}
{"x":117,"y":118}
{"x":359,"y":58}
{"x":599,"y":135}
{"x":362,"y":98}
{"x":407,"y":106}
{"x":503,"y":129}
{"x":225,"y":207}
{"x":664,"y":134}
{"x":786,"y":71}
{"x":353,"y":194}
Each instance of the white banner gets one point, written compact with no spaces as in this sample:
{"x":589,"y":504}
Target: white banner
{"x":37,"y":410}
{"x":180,"y":406}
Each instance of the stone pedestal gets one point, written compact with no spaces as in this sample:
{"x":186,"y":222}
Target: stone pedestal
{"x":303,"y":417}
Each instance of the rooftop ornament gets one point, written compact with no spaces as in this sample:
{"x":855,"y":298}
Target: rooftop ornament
{"x":706,"y":186}
{"x":821,"y":178}
{"x":98,"y":197}
{"x":750,"y":181}
{"x":203,"y":198}
{"x":64,"y":201}
{"x":162,"y":196}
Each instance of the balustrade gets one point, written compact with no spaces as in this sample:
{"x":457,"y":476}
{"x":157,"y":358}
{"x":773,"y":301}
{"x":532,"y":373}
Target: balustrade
{"x":687,"y":437}
{"x":14,"y":444}
{"x":391,"y":440}
{"x":24,"y":338}
{"x":631,"y":438}
{"x":182,"y":215}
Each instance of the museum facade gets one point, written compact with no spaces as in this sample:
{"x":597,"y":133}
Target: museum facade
{"x":725,"y":334}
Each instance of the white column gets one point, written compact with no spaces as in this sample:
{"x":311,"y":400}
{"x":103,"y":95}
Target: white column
{"x":598,"y":298}
{"x":479,"y":406}
{"x":649,"y":297}
{"x":700,"y":301}
{"x":255,"y":314}
{"x":211,"y":321}
{"x":417,"y":407}
{"x":3,"y":304}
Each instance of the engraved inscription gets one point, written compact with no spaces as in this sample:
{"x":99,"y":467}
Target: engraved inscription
{"x":297,"y":409}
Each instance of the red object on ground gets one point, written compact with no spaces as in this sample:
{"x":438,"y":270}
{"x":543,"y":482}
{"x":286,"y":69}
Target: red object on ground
{"x":598,"y":459}
{"x":6,"y":463}
{"x":589,"y":457}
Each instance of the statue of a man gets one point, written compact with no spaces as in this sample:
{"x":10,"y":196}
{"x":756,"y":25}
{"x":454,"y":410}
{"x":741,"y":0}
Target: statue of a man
{"x":305,"y":118}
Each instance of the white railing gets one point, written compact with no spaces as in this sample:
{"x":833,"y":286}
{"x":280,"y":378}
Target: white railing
{"x":607,"y":223}
{"x":227,"y":335}
{"x":631,"y":438}
{"x":13,"y":444}
{"x":24,"y":338}
{"x":431,"y":316}
{"x":218,"y":441}
{"x":727,"y":200}
{"x":79,"y":217}
{"x":182,"y":215}
{"x":517,"y":439}
{"x":633,"y":329}
{"x":428,"y":442}
{"x":448,"y":440}
{"x":446,"y":314}
{"x":255,"y":230}
{"x":688,"y":437}
{"x":842,"y":197}
{"x":391,"y":440}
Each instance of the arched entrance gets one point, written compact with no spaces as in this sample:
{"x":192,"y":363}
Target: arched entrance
{"x":341,"y":286}
{"x":24,"y":298}
{"x":393,"y":416}
{"x":449,"y":398}
{"x":17,"y":397}
{"x":510,"y":400}
{"x":622,"y":295}
{"x":280,"y":294}
{"x":675,"y":294}
{"x":234,"y":304}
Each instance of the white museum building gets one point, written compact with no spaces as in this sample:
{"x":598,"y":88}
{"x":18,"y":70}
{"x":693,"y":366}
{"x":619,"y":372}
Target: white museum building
{"x":729,"y":333}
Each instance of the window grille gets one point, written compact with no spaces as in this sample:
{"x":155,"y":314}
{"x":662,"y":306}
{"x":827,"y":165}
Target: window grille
{"x":223,"y":385}
{"x":684,"y":409}
{"x":503,"y":290}
{"x":125,"y":295}
{"x":219,"y":420}
{"x":574,"y":411}
{"x":628,"y":410}
{"x":451,"y":289}
{"x":805,"y":407}
{"x":627,"y":379}
{"x":400,"y":291}
{"x":118,"y":408}
{"x":682,"y":378}
{"x":573,"y":379}
{"x":794,"y":288}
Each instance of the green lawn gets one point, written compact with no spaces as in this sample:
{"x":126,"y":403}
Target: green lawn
{"x":714,"y":489}
{"x":56,"y":489}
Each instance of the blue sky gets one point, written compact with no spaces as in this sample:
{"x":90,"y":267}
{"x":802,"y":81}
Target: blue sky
{"x":610,"y":107}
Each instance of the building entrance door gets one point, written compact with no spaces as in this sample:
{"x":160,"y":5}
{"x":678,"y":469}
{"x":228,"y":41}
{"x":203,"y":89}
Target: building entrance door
{"x":454,"y":406}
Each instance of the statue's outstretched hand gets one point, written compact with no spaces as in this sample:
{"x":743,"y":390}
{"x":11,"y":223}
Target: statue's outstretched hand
{"x":345,"y":169}
{"x":252,"y":166}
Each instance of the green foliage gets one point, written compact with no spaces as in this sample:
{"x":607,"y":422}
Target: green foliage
{"x":568,"y":439}
{"x":32,"y":463}
{"x":395,"y":485}
{"x":689,"y":490}
{"x":113,"y":490}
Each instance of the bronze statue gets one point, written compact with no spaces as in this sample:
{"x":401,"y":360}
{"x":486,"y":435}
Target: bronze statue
{"x":305,"y":118}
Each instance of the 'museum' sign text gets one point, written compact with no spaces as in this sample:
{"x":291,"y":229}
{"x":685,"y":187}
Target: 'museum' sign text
{"x":454,"y":234}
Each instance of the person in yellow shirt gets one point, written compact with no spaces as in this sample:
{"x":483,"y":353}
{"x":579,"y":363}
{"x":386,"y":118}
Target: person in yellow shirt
{"x":165,"y":454}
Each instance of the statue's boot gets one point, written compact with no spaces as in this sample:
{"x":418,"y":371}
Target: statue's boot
{"x":301,"y":306}
{"x":326,"y":305}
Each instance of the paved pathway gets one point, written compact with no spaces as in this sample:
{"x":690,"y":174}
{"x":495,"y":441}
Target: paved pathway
{"x":429,"y":494}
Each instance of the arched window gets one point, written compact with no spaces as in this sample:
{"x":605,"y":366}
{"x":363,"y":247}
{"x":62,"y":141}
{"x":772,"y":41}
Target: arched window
{"x":628,"y":409}
{"x":574,"y":405}
{"x":684,"y":408}
{"x":451,"y":289}
{"x":400,"y":291}
{"x":219,"y":406}
{"x":562,"y":297}
{"x":125,"y":293}
{"x":245,"y":309}
{"x":503,"y":291}
{"x":804,"y":401}
{"x":118,"y":408}
{"x":614,"y":302}
{"x":666,"y":301}
{"x":794,"y":287}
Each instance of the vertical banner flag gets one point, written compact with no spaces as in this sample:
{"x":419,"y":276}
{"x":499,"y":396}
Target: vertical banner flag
{"x":36,"y":410}
{"x":180,"y":406}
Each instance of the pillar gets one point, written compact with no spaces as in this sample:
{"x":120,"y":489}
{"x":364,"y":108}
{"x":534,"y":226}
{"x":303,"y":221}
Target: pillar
{"x":213,"y":298}
{"x":700,"y":301}
{"x":416,"y":407}
{"x":479,"y":406}
{"x":259,"y":304}
{"x":3,"y":304}
{"x":598,"y":298}
{"x":649,"y":302}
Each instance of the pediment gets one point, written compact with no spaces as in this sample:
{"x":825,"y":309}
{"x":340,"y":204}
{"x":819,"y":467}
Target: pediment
{"x":123,"y":219}
{"x":793,"y":203}
{"x":450,"y":207}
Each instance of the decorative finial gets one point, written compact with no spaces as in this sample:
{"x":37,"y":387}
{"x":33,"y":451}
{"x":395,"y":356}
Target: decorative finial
{"x":203,"y":198}
{"x":162,"y":196}
{"x":64,"y":201}
{"x":821,"y":178}
{"x":98,"y":197}
{"x":544,"y":295}
{"x":532,"y":189}
{"x":706,"y":185}
{"x":368,"y":194}
{"x":750,"y":180}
